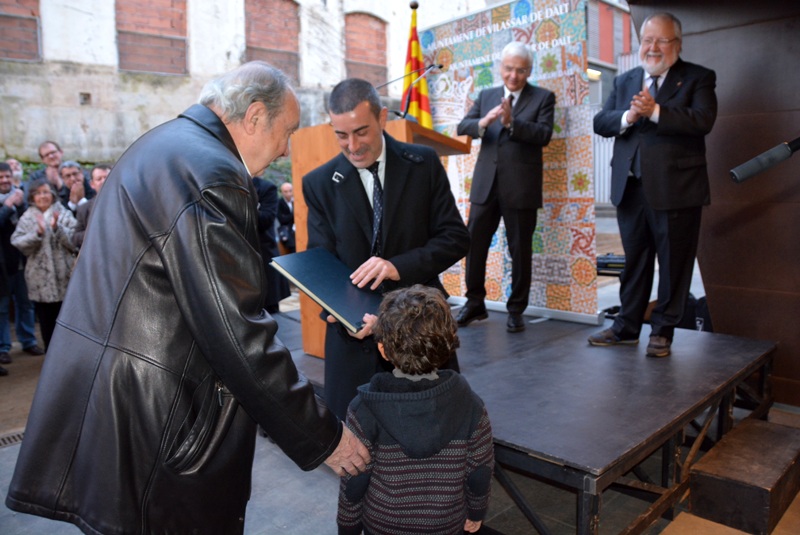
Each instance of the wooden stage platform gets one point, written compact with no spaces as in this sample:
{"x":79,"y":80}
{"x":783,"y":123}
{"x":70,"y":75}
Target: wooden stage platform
{"x":585,"y":417}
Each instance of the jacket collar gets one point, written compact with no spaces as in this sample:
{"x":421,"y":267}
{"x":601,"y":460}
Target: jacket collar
{"x":210,"y":121}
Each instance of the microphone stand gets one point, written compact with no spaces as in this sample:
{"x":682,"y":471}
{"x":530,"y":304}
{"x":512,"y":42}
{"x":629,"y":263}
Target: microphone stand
{"x":428,"y":69}
{"x":407,"y":74}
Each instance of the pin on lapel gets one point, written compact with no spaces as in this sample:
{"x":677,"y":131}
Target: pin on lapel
{"x":337,"y":177}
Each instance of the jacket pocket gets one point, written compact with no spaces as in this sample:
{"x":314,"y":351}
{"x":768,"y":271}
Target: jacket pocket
{"x":202,"y":431}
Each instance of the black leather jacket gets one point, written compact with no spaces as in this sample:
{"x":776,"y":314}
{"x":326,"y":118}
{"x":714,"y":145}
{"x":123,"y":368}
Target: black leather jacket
{"x":163,"y":361}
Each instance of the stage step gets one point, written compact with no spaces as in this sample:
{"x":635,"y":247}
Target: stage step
{"x":749,"y":479}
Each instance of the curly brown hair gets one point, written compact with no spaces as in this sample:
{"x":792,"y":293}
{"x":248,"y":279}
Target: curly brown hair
{"x":417,"y":329}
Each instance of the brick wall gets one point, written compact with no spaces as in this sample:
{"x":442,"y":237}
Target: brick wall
{"x":272,"y":31}
{"x":152,"y":35}
{"x":365,"y":45}
{"x":19,"y":30}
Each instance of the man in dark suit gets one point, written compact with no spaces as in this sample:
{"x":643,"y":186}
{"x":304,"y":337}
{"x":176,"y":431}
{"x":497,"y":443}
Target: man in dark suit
{"x":659,"y":114}
{"x":286,"y":217}
{"x":378,"y":183}
{"x":514,"y":121}
{"x":99,"y":174}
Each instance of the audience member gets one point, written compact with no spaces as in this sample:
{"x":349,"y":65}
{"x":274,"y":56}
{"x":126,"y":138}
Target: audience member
{"x":73,"y":192}
{"x":385,"y":209}
{"x":52,"y":157}
{"x":286,"y":218}
{"x":17,"y":172}
{"x":163,"y":359}
{"x":659,"y":115}
{"x":12,"y":206}
{"x":428,"y":433}
{"x":43,"y":236}
{"x":277,"y":285}
{"x":513,"y":121}
{"x":99,"y":174}
{"x":3,"y":295}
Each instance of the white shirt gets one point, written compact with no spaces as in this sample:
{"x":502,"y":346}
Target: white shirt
{"x":366,"y":174}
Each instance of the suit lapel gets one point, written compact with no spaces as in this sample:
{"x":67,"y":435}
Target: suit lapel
{"x":635,"y":82}
{"x":348,"y":186}
{"x":525,"y":97}
{"x":395,"y":181}
{"x":672,"y":83}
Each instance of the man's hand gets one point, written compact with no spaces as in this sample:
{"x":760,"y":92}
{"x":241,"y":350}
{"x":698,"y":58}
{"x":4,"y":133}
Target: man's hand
{"x":471,"y":526}
{"x":350,"y":456}
{"x":643,"y":104}
{"x":505,"y":108}
{"x":491,"y":117}
{"x":367,"y":330}
{"x":77,"y":191}
{"x":376,"y":269}
{"x":54,"y":177}
{"x":15,"y":198}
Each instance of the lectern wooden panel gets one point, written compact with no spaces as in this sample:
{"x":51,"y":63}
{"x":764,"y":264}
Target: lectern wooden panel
{"x":312,"y":147}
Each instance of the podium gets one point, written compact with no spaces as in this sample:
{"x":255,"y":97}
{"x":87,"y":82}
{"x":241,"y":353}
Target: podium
{"x":313,"y":146}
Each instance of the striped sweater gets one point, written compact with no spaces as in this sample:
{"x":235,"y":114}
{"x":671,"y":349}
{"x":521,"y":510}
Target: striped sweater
{"x":432,"y":457}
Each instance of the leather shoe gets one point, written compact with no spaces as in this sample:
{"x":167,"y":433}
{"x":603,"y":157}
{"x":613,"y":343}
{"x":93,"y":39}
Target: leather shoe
{"x":34,"y":350}
{"x":659,"y":346}
{"x":608,"y":337}
{"x":3,"y":371}
{"x":470,"y":313}
{"x":5,"y":358}
{"x":515,"y":323}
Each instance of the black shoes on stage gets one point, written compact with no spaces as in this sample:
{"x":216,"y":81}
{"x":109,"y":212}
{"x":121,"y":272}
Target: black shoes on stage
{"x":470,"y":313}
{"x":515,"y":323}
{"x":659,"y":346}
{"x":474,"y":312}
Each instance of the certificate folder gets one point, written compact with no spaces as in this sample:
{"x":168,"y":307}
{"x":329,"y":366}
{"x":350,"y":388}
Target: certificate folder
{"x":326,"y":280}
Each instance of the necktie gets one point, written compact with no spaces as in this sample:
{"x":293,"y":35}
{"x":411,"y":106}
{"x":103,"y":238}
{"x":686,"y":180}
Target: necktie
{"x":377,"y":210}
{"x":511,"y":100}
{"x":654,"y":85}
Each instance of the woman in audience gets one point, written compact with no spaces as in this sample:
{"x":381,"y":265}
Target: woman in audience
{"x":43,"y":236}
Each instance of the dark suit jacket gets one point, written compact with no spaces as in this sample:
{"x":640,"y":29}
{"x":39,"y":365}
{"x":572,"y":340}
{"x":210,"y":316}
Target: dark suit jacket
{"x":286,"y":219}
{"x":515,"y":160}
{"x":423,"y":233}
{"x":673,"y":152}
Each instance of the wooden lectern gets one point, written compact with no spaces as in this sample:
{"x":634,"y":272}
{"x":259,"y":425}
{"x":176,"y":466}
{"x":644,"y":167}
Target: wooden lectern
{"x":312,"y":147}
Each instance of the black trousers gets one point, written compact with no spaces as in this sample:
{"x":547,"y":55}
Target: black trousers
{"x":520,"y":225}
{"x":647,"y":234}
{"x":47,"y":314}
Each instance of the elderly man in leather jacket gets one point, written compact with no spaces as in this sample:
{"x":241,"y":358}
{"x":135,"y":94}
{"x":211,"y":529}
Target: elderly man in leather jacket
{"x":163,"y":361}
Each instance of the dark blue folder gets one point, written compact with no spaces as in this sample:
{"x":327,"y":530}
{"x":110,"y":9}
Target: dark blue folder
{"x":326,"y":280}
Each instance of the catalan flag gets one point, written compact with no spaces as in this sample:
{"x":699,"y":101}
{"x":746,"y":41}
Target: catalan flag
{"x":419,"y":106}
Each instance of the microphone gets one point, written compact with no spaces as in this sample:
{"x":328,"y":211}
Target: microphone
{"x":765,"y":160}
{"x":403,"y":114}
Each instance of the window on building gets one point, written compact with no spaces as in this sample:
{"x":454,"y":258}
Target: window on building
{"x":19,"y":30}
{"x":365,"y":49}
{"x":151,"y":35}
{"x":272,"y":34}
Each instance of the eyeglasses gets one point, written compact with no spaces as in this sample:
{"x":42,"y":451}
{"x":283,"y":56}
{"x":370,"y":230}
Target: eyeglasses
{"x":51,"y":153}
{"x":648,"y":41}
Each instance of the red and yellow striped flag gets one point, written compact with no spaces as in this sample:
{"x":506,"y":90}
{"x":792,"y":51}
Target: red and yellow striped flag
{"x":419,"y":106}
